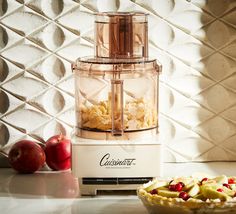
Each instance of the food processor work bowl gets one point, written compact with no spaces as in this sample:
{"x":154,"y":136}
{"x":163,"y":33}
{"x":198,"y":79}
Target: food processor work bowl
{"x":116,"y":91}
{"x":116,"y":96}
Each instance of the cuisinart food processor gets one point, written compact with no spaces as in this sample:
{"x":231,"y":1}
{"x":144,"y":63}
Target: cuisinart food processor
{"x":115,"y":144}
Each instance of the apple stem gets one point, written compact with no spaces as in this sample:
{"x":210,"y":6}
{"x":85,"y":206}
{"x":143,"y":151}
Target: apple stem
{"x":60,"y":137}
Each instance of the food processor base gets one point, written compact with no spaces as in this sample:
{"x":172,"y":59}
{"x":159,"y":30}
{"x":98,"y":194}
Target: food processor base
{"x":100,"y":186}
{"x":114,"y":165}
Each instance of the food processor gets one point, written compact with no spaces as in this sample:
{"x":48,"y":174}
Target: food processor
{"x":115,"y":143}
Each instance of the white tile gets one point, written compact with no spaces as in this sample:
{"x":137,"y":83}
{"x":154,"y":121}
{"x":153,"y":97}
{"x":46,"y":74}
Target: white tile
{"x":8,"y":102}
{"x":51,"y":69}
{"x":53,"y":127}
{"x":52,"y":8}
{"x":216,"y":153}
{"x":8,"y":7}
{"x":216,"y":130}
{"x":76,"y":49}
{"x":71,"y":20}
{"x":26,"y":119}
{"x":52,"y":37}
{"x":182,"y":109}
{"x":217,"y":98}
{"x":216,"y":8}
{"x":24,"y":21}
{"x":230,"y":50}
{"x":230,"y":18}
{"x":25,"y":86}
{"x":52,"y":102}
{"x":8,"y":71}
{"x":230,"y":82}
{"x":158,"y":7}
{"x":194,"y":40}
{"x":8,"y":38}
{"x":230,"y":114}
{"x":9,"y":135}
{"x":24,"y":54}
{"x":217,"y":66}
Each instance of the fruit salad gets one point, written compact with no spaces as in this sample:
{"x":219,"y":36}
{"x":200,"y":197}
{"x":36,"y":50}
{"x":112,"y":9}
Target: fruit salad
{"x":222,"y":188}
{"x":189,"y":192}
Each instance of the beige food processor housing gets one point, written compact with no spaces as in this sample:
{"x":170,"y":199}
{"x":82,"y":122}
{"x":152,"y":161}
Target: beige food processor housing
{"x":115,"y":145}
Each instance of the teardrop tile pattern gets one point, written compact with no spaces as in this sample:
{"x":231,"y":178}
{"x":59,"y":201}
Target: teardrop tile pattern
{"x":197,"y":85}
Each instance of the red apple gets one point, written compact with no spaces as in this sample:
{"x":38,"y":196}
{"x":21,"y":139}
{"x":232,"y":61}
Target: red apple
{"x":58,"y":152}
{"x":26,"y":156}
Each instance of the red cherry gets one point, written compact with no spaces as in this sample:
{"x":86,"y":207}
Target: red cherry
{"x":226,"y":185}
{"x":178,"y":187}
{"x":204,"y":179}
{"x":153,"y":192}
{"x":220,"y":190}
{"x":231,"y":181}
{"x":184,"y":195}
{"x":172,"y":187}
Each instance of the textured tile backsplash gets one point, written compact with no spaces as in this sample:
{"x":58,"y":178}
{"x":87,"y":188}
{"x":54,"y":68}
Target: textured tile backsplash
{"x":194,"y":40}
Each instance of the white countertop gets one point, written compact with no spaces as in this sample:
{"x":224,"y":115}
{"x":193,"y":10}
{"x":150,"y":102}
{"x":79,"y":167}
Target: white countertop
{"x":57,"y":192}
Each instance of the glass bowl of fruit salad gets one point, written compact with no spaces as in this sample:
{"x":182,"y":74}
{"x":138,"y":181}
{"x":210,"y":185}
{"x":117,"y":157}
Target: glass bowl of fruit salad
{"x":187,"y":195}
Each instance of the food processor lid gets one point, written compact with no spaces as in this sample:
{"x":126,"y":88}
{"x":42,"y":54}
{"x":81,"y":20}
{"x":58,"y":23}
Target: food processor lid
{"x":100,"y":66}
{"x":121,"y":35}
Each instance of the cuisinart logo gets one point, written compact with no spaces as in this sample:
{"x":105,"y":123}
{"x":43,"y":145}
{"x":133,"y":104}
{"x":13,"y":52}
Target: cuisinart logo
{"x":109,"y":162}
